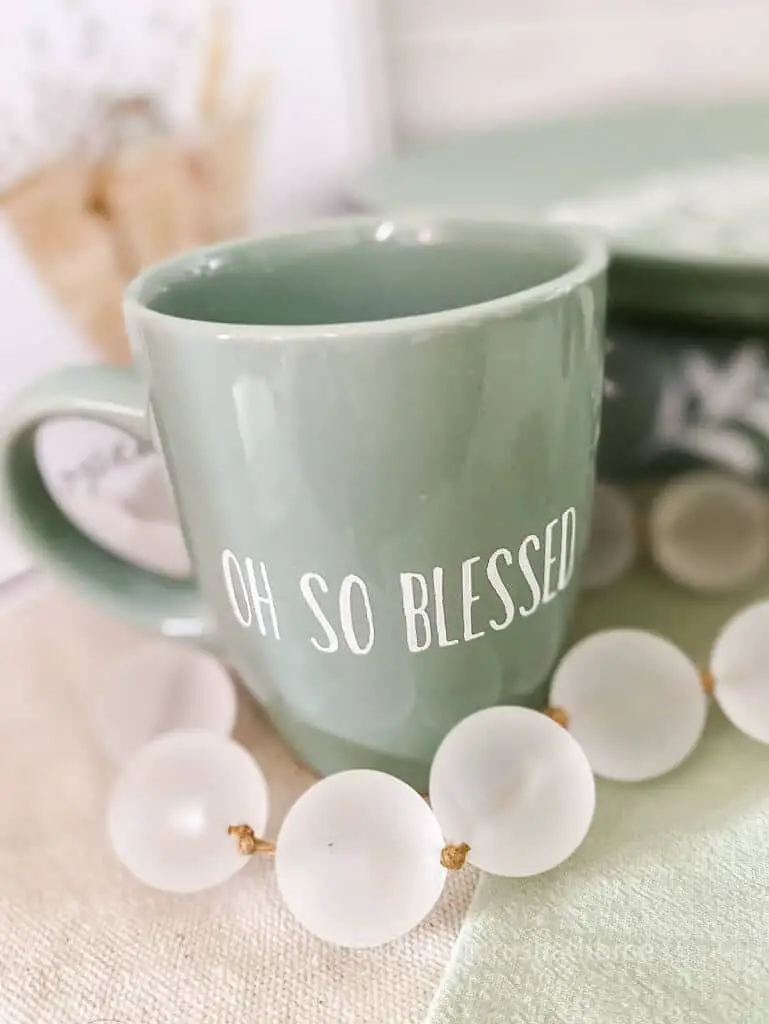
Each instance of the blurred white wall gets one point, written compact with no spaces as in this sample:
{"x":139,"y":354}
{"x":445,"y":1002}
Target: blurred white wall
{"x":62,"y":61}
{"x":456,"y":65}
{"x":326,"y":113}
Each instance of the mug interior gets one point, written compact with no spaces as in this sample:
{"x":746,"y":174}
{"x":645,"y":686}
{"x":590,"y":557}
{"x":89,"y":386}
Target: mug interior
{"x":360,"y":272}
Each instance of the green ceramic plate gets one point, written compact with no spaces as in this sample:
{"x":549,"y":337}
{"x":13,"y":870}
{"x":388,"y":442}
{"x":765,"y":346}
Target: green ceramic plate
{"x":682,"y":193}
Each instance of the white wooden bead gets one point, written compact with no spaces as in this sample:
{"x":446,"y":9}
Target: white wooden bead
{"x":634,"y":701}
{"x":613,"y":546}
{"x":516,"y":787}
{"x":358,"y":859}
{"x":709,"y":531}
{"x":739,"y":663}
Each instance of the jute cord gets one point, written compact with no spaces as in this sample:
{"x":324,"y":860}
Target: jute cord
{"x":453,"y":855}
{"x":248,"y":842}
{"x":558,"y":715}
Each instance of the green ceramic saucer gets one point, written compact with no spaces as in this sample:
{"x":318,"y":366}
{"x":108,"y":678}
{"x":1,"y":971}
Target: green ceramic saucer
{"x":682,"y":193}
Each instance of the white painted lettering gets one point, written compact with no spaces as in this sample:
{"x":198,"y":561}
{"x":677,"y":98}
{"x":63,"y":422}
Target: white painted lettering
{"x":312,"y":601}
{"x":469,"y":598}
{"x":346,"y":616}
{"x":524,"y":563}
{"x":495,"y":579}
{"x":241,"y":607}
{"x":413,"y":611}
{"x":548,"y":594}
{"x":258,"y":599}
{"x":568,"y":547}
{"x":440,"y":610}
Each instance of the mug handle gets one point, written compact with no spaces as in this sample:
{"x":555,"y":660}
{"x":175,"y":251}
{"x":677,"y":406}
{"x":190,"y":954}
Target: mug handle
{"x":115,"y":396}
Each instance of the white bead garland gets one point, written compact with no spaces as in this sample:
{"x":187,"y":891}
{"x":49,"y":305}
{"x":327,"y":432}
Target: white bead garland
{"x":634,"y":703}
{"x":173,"y":803}
{"x":613,"y":544}
{"x":516,"y":787}
{"x":709,"y":532}
{"x":361,"y":858}
{"x":358,"y":859}
{"x":705,"y":530}
{"x":739,"y":663}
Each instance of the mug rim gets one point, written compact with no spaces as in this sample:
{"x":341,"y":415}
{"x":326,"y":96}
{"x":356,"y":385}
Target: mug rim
{"x":591,"y":260}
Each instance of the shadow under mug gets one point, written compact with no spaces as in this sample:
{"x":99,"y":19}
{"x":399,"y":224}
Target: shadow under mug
{"x":381,"y":437}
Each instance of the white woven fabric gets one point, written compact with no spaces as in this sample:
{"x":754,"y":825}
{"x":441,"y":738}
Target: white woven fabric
{"x":81,"y":941}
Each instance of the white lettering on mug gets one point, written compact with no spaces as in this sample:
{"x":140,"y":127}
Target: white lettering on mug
{"x":346,"y":617}
{"x":455,"y":593}
{"x":440,"y":611}
{"x":413,"y":611}
{"x":262,"y":599}
{"x":469,"y":597}
{"x":314,"y":606}
{"x":548,"y":594}
{"x":529,"y":575}
{"x":495,"y":579}
{"x":238,"y":596}
{"x":568,"y":547}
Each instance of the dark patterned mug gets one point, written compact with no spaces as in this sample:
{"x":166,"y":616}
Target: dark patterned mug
{"x":676,"y":400}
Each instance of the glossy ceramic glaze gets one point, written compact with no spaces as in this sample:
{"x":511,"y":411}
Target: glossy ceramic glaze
{"x":381,"y":437}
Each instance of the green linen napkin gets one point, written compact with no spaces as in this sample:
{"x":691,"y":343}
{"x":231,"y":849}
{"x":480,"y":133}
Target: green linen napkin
{"x":663,"y":914}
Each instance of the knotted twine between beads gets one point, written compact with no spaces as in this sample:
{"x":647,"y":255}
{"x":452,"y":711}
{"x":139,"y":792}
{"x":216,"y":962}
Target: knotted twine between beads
{"x":248,"y":842}
{"x":558,"y":715}
{"x":707,"y":681}
{"x":453,"y":856}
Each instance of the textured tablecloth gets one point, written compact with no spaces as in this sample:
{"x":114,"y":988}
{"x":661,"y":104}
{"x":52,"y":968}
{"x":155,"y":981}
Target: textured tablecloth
{"x":662,"y":916}
{"x":81,"y":941}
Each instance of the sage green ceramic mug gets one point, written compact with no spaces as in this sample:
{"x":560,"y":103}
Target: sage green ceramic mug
{"x":381,"y":437}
